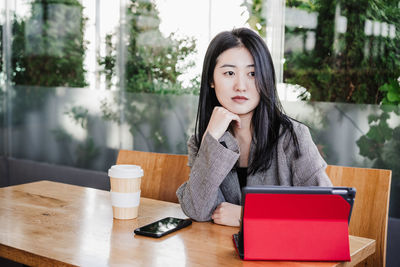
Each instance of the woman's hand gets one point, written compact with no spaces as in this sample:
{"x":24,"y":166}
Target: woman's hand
{"x":220,"y":120}
{"x":227,"y":214}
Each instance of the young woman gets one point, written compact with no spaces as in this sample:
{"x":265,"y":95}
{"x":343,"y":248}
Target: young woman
{"x":242,"y":136}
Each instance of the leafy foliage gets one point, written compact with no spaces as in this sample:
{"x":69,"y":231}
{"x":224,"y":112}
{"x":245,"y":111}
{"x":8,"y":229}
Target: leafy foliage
{"x":381,"y":143}
{"x":392,"y":92}
{"x":350,"y":66}
{"x":48,"y":48}
{"x":340,"y":85}
{"x":153,"y":62}
{"x":256,"y":19}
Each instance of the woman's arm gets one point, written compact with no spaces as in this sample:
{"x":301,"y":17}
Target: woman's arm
{"x":210,"y":164}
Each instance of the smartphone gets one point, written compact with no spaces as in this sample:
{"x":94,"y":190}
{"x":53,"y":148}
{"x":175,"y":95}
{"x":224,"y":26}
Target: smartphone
{"x":162,"y":227}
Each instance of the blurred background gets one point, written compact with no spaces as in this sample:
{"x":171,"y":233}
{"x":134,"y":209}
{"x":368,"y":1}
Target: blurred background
{"x":81,"y":79}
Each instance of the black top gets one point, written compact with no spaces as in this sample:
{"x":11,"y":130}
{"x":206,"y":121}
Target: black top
{"x":242,"y":176}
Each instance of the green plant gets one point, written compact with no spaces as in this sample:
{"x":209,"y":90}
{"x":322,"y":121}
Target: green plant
{"x":392,"y":92}
{"x":153,"y":62}
{"x":331,"y":84}
{"x":48,"y":47}
{"x":381,"y":144}
{"x":256,"y":19}
{"x":381,"y":137}
{"x":344,"y":67}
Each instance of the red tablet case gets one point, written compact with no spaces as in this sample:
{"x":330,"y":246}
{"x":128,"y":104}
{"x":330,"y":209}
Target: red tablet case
{"x":301,"y":227}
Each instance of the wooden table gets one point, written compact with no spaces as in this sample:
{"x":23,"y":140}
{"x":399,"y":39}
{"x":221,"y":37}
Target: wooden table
{"x":48,"y":223}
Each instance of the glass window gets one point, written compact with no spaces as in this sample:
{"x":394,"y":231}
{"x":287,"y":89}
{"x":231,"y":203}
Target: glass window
{"x":87,"y":78}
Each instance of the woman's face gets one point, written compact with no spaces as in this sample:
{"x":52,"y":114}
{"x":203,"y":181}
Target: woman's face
{"x":234,"y":81}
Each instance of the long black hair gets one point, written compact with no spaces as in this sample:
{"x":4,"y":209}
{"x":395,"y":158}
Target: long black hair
{"x":268,"y":121}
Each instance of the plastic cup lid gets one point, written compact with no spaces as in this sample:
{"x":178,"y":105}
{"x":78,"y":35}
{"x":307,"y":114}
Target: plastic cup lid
{"x":125,"y":171}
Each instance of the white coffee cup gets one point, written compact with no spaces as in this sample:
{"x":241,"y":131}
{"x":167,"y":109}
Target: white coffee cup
{"x":125,"y":190}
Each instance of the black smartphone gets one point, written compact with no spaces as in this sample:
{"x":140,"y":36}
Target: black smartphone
{"x":162,"y":227}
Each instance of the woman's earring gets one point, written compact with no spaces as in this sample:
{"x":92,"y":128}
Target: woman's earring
{"x":212,"y":85}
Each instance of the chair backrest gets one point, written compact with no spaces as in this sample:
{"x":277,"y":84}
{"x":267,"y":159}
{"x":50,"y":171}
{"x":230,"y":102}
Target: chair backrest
{"x":163,"y":173}
{"x":370,"y":212}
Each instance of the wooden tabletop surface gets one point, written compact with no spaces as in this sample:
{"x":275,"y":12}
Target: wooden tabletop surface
{"x":48,"y":223}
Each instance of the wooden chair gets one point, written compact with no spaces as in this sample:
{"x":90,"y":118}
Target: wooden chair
{"x":163,"y":173}
{"x":370,"y":212}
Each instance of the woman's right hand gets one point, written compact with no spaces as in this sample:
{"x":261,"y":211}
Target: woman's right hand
{"x":219,"y":122}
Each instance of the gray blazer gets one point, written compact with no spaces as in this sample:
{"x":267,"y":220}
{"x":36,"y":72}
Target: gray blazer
{"x":213,"y":178}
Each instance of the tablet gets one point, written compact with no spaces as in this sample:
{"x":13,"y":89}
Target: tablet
{"x":279,"y":222}
{"x":347,"y":193}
